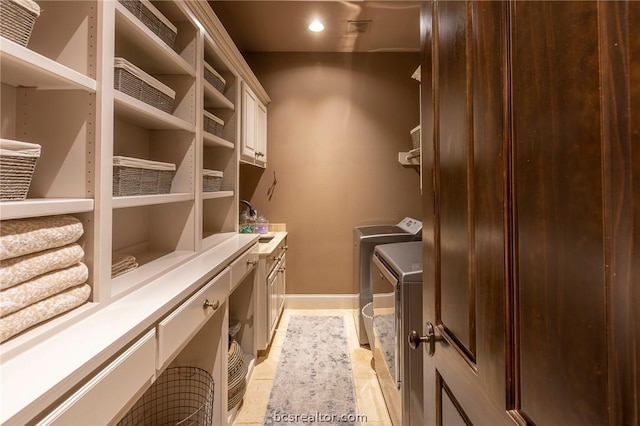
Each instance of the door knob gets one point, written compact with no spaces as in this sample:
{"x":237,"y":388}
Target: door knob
{"x":415,"y":339}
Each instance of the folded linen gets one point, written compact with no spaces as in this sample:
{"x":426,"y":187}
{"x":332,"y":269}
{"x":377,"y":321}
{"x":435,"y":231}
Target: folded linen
{"x":122,"y":263}
{"x":21,"y":269}
{"x":41,"y":287}
{"x":43,"y":310}
{"x":19,"y":237}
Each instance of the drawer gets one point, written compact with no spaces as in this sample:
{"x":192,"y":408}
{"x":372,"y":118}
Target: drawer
{"x":243,"y":265}
{"x":184,"y":322}
{"x":276,"y":256}
{"x":104,"y":396}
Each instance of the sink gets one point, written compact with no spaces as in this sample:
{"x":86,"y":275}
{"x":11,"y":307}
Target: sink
{"x":265,"y":238}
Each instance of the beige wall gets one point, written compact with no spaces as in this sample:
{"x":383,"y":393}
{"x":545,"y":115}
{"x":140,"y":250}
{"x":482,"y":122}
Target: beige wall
{"x":335,"y":125}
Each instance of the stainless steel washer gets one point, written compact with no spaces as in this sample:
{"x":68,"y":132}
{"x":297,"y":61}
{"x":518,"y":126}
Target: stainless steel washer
{"x":365,"y":238}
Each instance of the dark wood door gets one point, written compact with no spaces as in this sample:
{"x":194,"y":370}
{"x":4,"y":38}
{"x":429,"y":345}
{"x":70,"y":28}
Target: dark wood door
{"x":530,"y":114}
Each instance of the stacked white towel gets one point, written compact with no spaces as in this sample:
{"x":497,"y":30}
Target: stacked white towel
{"x":41,"y":271}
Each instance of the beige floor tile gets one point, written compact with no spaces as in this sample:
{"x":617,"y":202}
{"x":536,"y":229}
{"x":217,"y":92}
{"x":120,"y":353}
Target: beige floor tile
{"x":361,"y":362}
{"x":265,"y":368}
{"x":370,"y":400}
{"x":254,"y":404}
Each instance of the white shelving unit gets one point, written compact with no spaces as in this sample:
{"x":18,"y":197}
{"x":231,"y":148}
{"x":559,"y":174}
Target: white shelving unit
{"x":219,"y":209}
{"x":59,"y":92}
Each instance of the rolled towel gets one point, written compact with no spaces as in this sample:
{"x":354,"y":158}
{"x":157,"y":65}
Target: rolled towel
{"x":19,"y":237}
{"x":41,"y":287}
{"x":21,"y":269}
{"x":43,"y":310}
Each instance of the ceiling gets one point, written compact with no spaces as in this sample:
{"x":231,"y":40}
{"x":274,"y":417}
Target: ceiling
{"x":281,"y":26}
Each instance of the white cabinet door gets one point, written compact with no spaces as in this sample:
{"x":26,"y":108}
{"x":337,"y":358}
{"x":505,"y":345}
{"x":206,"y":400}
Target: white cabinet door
{"x":249,"y":141}
{"x":261,"y":134}
{"x":254,"y":128}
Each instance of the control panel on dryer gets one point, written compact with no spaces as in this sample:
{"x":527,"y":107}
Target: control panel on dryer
{"x":412,"y":226}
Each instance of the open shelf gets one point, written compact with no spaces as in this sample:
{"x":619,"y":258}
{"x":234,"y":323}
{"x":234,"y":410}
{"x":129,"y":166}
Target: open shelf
{"x":214,"y":99}
{"x":212,"y":140}
{"x":137,"y":112}
{"x":152,"y":54}
{"x":149,"y":200}
{"x":20,"y":66}
{"x":151,"y":264}
{"x":217,"y":194}
{"x":44,"y":207}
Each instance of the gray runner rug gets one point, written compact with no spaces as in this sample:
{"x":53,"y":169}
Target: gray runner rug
{"x":314,"y":379}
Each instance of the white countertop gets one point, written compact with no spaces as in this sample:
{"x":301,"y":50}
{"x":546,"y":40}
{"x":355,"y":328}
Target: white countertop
{"x":37,"y":377}
{"x":267,"y":248}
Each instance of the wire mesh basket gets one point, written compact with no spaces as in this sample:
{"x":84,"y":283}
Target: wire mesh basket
{"x":180,"y":396}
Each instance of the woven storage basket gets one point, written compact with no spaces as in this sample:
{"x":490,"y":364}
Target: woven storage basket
{"x":213,"y":77}
{"x":17,"y":18}
{"x":237,"y":374}
{"x":415,"y":137}
{"x":211,"y":180}
{"x":212,"y":124}
{"x":133,"y":176}
{"x":180,"y":396}
{"x":17,"y":164}
{"x":152,"y":19}
{"x":138,"y":84}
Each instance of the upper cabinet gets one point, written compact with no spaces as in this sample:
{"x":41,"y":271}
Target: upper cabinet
{"x":254,"y":128}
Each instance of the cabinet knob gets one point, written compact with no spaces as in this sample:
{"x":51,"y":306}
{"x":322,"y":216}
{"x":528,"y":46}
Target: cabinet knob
{"x":277,"y":258}
{"x":214,"y":305}
{"x":259,"y":154}
{"x":282,"y":269}
{"x":285,"y":248}
{"x":252,"y":262}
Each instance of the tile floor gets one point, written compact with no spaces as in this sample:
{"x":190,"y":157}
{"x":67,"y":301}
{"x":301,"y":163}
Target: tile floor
{"x":369,"y":397}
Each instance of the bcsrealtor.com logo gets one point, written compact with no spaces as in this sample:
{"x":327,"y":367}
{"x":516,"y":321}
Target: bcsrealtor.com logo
{"x":317,"y":417}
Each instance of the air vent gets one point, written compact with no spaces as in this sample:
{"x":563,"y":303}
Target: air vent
{"x":358,"y":27}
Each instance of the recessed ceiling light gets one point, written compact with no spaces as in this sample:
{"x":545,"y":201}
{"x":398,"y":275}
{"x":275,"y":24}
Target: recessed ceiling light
{"x":316,"y":26}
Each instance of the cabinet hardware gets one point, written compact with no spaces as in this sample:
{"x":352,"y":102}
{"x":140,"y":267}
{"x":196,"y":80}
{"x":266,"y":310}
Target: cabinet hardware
{"x":285,"y":248}
{"x":214,"y":305}
{"x":277,"y":258}
{"x":282,"y":269}
{"x":252,"y":262}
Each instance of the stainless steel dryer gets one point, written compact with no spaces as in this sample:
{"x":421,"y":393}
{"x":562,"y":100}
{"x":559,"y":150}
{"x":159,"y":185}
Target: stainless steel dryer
{"x":365,"y":238}
{"x":397,"y":308}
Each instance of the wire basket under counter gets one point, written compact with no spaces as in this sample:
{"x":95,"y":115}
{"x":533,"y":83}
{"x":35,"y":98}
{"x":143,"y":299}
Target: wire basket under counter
{"x":180,"y":396}
{"x":17,"y":18}
{"x":135,"y":176}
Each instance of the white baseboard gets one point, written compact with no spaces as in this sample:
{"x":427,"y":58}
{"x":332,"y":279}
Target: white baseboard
{"x":321,"y":301}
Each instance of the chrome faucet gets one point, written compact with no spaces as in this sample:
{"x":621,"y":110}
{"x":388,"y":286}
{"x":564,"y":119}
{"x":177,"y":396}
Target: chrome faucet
{"x":252,"y":212}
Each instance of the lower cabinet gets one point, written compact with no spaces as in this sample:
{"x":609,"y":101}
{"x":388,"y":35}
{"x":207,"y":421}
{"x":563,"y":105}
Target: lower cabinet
{"x":103,"y":397}
{"x":275,"y":294}
{"x":270,"y":294}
